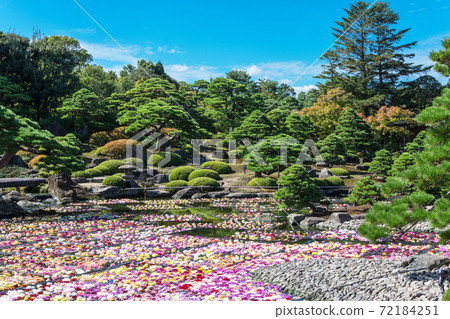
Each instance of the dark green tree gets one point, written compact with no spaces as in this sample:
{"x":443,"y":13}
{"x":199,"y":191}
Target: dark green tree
{"x":95,"y":79}
{"x":300,"y":127}
{"x":401,"y":164}
{"x":84,"y":105}
{"x":381,"y":163}
{"x":364,"y":192}
{"x":442,"y":58}
{"x":356,"y":135}
{"x":299,"y":189}
{"x":255,"y":127}
{"x":332,"y":149}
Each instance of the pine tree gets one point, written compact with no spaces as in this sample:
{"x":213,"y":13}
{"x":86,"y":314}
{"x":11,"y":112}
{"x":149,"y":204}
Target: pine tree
{"x":417,"y":144}
{"x":442,"y":58}
{"x":356,"y":135}
{"x":332,"y":149}
{"x":300,"y":127}
{"x":382,"y":163}
{"x":364,"y":192}
{"x":299,"y":189}
{"x":255,"y":127}
{"x":401,"y":164}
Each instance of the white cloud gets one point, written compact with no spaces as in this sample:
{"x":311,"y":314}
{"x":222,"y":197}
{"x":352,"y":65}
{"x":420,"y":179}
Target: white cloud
{"x":191,"y":73}
{"x":254,"y":70}
{"x":304,"y":88}
{"x":111,"y":53}
{"x":164,"y":49}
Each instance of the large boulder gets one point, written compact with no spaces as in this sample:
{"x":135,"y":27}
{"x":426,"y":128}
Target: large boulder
{"x":65,"y":189}
{"x":324,"y":173}
{"x":217,"y":194}
{"x":295,"y":219}
{"x":427,"y":261}
{"x":9,"y":208}
{"x":187,"y":192}
{"x":357,"y":210}
{"x":107,"y":191}
{"x":311,"y":221}
{"x":16,"y":196}
{"x":362,"y":167}
{"x":16,"y":160}
{"x":200,"y":195}
{"x":321,"y":164}
{"x":160,"y":178}
{"x":339,"y":218}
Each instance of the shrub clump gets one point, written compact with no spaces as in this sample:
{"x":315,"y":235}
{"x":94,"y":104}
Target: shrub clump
{"x":114,"y":181}
{"x":116,"y":149}
{"x":204,"y":173}
{"x":176,"y":183}
{"x":174,"y":159}
{"x":219,"y":167}
{"x":99,"y":138}
{"x":181,"y":173}
{"x":263,"y":181}
{"x":36,"y":160}
{"x":446,"y":296}
{"x":110,"y":167}
{"x":339,"y":171}
{"x":335,"y":181}
{"x":205,"y":182}
{"x":321,"y":182}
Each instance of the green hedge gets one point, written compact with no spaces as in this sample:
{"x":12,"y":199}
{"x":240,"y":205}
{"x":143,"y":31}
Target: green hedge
{"x":335,"y":181}
{"x":204,"y":173}
{"x":219,"y":167}
{"x":114,"y":181}
{"x":205,"y":181}
{"x":156,"y":158}
{"x":110,"y":167}
{"x":339,"y":171}
{"x":181,"y":173}
{"x":177,"y":183}
{"x":263,"y":181}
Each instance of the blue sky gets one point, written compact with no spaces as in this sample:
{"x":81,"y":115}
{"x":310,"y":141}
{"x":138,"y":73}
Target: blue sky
{"x":202,"y":39}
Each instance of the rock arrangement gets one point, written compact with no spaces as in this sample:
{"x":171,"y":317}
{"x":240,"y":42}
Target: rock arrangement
{"x":340,"y":279}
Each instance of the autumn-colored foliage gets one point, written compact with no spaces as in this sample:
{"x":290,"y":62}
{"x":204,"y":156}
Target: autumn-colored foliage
{"x":391,"y":120}
{"x":32,"y":163}
{"x":324,"y":114}
{"x":116,"y":149}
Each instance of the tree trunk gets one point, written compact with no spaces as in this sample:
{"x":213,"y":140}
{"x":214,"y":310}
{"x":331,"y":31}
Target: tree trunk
{"x":258,"y":174}
{"x":5,"y":158}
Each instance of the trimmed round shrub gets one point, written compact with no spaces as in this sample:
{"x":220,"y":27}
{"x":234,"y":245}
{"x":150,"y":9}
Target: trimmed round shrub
{"x":116,"y":149}
{"x":263,"y":181}
{"x":321,"y":182}
{"x":110,"y":167}
{"x":205,"y":181}
{"x":339,"y":171}
{"x":35,"y":160}
{"x":177,"y":183}
{"x":335,"y":181}
{"x":219,"y":167}
{"x":204,"y":173}
{"x":181,"y":173}
{"x":81,"y":174}
{"x":134,"y":161}
{"x":174,"y":159}
{"x":114,"y":181}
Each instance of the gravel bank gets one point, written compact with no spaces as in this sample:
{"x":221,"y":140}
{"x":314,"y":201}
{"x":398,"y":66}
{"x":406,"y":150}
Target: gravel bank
{"x":352,"y":280}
